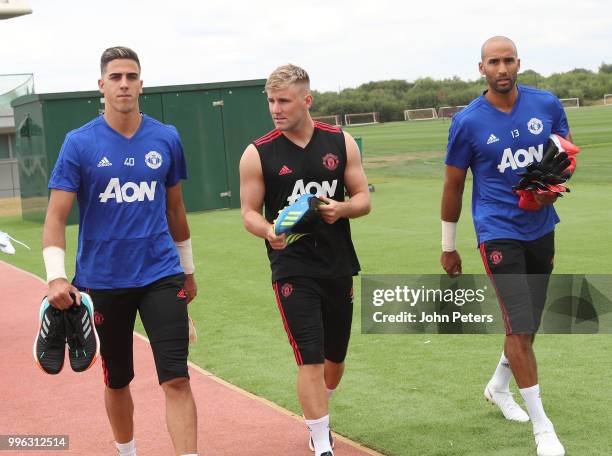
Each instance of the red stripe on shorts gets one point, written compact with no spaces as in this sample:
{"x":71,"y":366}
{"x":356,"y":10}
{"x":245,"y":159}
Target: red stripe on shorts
{"x":296,"y":351}
{"x":104,"y":370}
{"x":502,"y":306}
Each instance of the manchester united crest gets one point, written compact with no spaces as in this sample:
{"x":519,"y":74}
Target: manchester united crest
{"x":98,"y":318}
{"x":331,"y":161}
{"x":153,"y":159}
{"x":535,"y":126}
{"x":496,"y":257}
{"x":286,"y":289}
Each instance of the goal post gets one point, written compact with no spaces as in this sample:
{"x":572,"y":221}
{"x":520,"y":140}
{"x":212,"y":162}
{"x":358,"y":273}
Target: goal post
{"x":446,"y":112}
{"x":570,"y":102}
{"x":420,"y":114}
{"x":334,"y":119}
{"x":361,"y":118}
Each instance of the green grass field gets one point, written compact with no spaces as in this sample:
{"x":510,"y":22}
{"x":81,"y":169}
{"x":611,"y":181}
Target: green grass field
{"x":406,"y":394}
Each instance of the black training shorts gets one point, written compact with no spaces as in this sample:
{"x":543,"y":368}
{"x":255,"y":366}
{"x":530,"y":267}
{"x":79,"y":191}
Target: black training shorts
{"x":519,"y":271}
{"x":317,"y":314}
{"x":163,"y":310}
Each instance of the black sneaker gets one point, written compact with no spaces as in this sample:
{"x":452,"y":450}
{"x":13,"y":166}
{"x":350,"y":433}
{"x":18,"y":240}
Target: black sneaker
{"x":83,"y":342}
{"x":331,"y":442}
{"x":327,"y":453}
{"x":50,"y":343}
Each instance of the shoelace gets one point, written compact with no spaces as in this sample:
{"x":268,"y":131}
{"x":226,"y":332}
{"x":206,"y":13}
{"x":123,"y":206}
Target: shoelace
{"x":74,"y":334}
{"x":54,"y":338}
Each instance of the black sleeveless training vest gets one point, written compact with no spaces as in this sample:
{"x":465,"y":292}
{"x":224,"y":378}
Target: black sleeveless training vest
{"x":289,"y":171}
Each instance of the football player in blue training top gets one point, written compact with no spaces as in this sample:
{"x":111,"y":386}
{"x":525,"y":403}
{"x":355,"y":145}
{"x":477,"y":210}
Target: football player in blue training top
{"x":497,"y":136}
{"x":134,"y":249}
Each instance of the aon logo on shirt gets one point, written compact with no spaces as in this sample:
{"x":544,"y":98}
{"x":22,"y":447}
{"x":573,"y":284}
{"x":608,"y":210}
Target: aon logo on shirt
{"x":520,"y":158}
{"x":325,"y":188}
{"x":128,"y":192}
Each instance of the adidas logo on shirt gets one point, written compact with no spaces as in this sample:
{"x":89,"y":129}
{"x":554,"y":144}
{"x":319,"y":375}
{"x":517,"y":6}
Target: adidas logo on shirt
{"x":285,"y":170}
{"x":492,"y":139}
{"x":104,"y":162}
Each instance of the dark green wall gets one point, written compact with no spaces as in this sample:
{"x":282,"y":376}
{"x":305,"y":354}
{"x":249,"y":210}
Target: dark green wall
{"x":216,"y":122}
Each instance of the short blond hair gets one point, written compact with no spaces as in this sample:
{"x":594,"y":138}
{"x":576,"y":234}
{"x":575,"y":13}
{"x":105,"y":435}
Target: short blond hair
{"x":286,"y":75}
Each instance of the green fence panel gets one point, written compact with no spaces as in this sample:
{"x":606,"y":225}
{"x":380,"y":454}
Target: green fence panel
{"x":245,"y":118}
{"x":200,"y":125}
{"x":42,"y":124}
{"x":359,"y":142}
{"x":216,"y":122}
{"x":151,"y":105}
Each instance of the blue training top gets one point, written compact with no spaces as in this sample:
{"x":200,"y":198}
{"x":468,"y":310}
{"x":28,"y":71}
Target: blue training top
{"x":124,"y":240}
{"x":496,"y":146}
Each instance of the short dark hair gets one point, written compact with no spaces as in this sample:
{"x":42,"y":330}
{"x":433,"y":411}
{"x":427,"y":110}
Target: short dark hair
{"x":117,"y":52}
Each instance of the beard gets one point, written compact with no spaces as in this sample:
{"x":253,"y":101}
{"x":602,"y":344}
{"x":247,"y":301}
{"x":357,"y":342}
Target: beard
{"x":500,"y":87}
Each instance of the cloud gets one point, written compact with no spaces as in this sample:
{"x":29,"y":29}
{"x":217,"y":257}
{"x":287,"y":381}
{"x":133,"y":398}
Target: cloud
{"x":341,"y":44}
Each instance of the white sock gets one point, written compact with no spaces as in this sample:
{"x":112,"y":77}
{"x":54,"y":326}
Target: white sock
{"x":126,"y":449}
{"x":533,"y":401}
{"x":319,"y":432}
{"x":330,"y":393}
{"x":501,"y":378}
{"x":190,"y":454}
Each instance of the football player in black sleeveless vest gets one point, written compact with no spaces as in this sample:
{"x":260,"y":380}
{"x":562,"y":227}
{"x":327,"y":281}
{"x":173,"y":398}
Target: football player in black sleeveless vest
{"x":311,"y":276}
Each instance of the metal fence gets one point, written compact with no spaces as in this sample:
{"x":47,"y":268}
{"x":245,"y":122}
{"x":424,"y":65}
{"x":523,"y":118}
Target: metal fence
{"x":9,"y":178}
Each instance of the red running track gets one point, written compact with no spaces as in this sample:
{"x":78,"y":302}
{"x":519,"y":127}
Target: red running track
{"x":231,"y":421}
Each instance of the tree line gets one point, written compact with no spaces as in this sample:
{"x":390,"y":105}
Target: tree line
{"x":390,"y":98}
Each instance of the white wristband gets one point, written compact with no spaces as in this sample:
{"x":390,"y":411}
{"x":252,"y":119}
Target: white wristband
{"x":449,"y":233}
{"x":185,"y":255}
{"x":54,"y":263}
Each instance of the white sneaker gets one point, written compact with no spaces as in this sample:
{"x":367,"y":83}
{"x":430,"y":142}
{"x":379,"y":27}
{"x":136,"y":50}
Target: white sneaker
{"x":506,"y":403}
{"x":548,"y":444}
{"x":5,"y":243}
